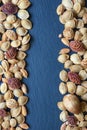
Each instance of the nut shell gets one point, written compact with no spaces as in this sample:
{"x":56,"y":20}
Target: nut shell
{"x":72,"y":103}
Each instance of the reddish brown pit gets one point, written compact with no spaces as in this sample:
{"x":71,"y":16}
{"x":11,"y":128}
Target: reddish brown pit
{"x":2,"y":112}
{"x":9,"y":8}
{"x":74,"y":77}
{"x":14,"y":83}
{"x":11,"y":53}
{"x":72,"y":120}
{"x":76,"y":46}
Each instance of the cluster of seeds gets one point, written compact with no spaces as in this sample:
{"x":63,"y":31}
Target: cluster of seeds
{"x":73,"y":15}
{"x":14,"y":41}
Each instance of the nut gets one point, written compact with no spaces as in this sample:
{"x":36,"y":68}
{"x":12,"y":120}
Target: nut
{"x":75,"y":68}
{"x":13,"y":122}
{"x":84,"y":97}
{"x":27,"y":24}
{"x":75,"y":58}
{"x":11,"y":53}
{"x":70,"y":24}
{"x":6,"y":124}
{"x":5,"y":46}
{"x":83,"y":75}
{"x":74,"y":77}
{"x":14,"y":83}
{"x":2,"y":105}
{"x":68,"y":64}
{"x":15,"y":111}
{"x":84,"y":84}
{"x":76,"y":46}
{"x":5,"y":65}
{"x":80,"y":24}
{"x":72,"y":103}
{"x":63,"y":76}
{"x":26,"y":39}
{"x":79,"y":116}
{"x":7,"y":25}
{"x":2,"y":112}
{"x":3,"y":88}
{"x":23,"y":14}
{"x":17,"y":93}
{"x":68,"y":33}
{"x":22,"y":100}
{"x":63,"y":58}
{"x":16,"y":43}
{"x":11,"y":19}
{"x":18,"y":128}
{"x":72,"y":121}
{"x":9,"y":8}
{"x":20,"y":119}
{"x":2,"y":16}
{"x":63,"y":116}
{"x":65,"y":41}
{"x":62,"y":88}
{"x":71,"y":87}
{"x":77,"y":7}
{"x":24,"y":88}
{"x":85,"y":18}
{"x":61,"y":106}
{"x":63,"y":126}
{"x":23,"y":4}
{"x":21,"y":55}
{"x":68,"y":4}
{"x":11,"y":103}
{"x":24,"y":111}
{"x":11,"y":34}
{"x":84,"y":63}
{"x":21,"y":31}
{"x":8,"y":95}
{"x":80,"y":90}
{"x":24,"y":126}
{"x":83,"y":124}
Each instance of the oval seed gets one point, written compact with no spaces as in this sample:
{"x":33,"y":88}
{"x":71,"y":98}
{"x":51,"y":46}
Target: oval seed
{"x":3,"y":88}
{"x":13,"y":122}
{"x":22,"y":100}
{"x":23,"y":14}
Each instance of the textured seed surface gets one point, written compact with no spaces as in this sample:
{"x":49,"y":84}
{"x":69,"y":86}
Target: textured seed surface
{"x":14,"y":83}
{"x":11,"y":53}
{"x":9,"y":8}
{"x":74,"y":77}
{"x":76,"y":46}
{"x":73,"y":15}
{"x":15,"y":24}
{"x":72,"y":120}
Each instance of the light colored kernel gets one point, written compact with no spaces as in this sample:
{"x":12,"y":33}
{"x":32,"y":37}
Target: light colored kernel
{"x":63,"y":76}
{"x":63,"y":88}
{"x":17,"y":93}
{"x":13,"y":122}
{"x":23,"y":14}
{"x":3,"y":88}
{"x":11,"y":19}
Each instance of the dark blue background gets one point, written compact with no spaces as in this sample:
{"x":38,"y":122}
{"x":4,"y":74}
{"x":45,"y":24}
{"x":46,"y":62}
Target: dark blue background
{"x":43,"y":66}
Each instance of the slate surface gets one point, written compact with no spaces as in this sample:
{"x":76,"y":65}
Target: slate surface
{"x":43,"y":66}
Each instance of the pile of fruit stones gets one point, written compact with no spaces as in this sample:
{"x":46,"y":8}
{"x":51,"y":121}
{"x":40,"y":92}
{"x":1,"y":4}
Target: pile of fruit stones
{"x":73,"y":15}
{"x":14,"y":42}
